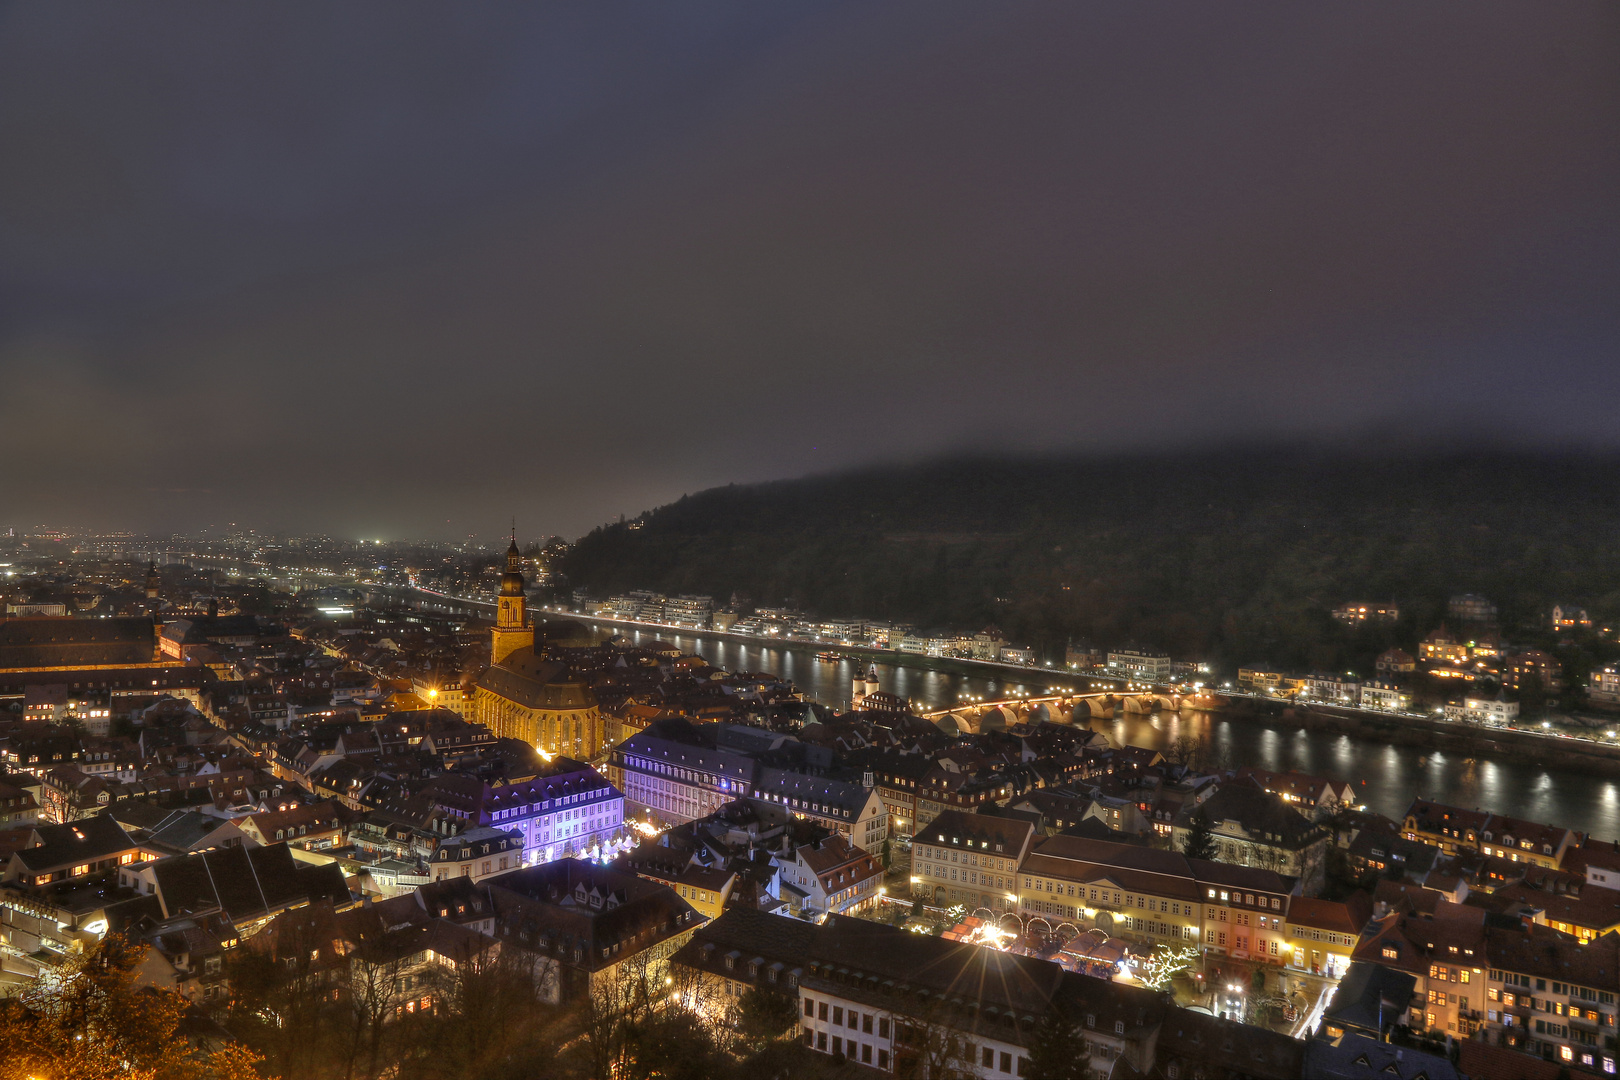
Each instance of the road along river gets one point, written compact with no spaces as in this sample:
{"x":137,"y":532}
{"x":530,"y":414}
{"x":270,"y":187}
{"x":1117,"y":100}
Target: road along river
{"x":1386,"y":777}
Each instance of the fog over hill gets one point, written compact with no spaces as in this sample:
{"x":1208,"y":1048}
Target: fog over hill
{"x":1235,"y":555}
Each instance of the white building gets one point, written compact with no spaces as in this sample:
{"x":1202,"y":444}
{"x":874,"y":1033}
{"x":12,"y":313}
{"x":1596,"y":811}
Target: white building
{"x":1484,"y":711}
{"x":1140,"y":665}
{"x":630,"y":605}
{"x":1384,"y":695}
{"x":689,"y":610}
{"x":570,"y":811}
{"x":1331,"y":687}
{"x":678,"y":782}
{"x":832,"y":875}
{"x":476,"y":854}
{"x":914,"y":643}
{"x":1604,"y":686}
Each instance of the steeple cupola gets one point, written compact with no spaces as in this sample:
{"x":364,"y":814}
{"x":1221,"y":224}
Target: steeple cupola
{"x":512,"y":580}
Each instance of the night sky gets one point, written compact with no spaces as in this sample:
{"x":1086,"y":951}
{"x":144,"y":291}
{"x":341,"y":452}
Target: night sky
{"x":410,"y":270}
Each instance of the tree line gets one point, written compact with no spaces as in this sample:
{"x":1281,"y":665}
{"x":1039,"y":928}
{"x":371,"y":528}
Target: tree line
{"x":1236,"y":556}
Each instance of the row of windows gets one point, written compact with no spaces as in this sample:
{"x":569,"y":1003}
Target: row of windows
{"x":802,"y":804}
{"x":854,"y":1051}
{"x":1244,"y":898}
{"x":546,"y":805}
{"x":1106,"y":896}
{"x":836,"y":1014}
{"x":1510,"y":978}
{"x":1159,"y":929}
{"x":950,"y":873}
{"x":1557,"y":1008}
{"x":941,"y":854}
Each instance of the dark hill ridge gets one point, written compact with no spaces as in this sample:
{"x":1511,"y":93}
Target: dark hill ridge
{"x":1234,"y":555}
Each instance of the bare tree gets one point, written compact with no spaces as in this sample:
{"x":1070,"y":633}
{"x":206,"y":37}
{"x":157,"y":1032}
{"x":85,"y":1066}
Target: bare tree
{"x":284,"y":1002}
{"x":929,"y":1047}
{"x":1267,"y":857}
{"x":374,"y":986}
{"x":489,"y":1014}
{"x":615,"y":1002}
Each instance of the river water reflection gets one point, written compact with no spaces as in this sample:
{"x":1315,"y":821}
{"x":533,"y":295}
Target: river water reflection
{"x":1386,"y":777}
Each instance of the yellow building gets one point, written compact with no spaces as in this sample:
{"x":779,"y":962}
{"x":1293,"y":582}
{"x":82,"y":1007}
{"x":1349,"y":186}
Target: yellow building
{"x":512,"y":630}
{"x":1141,"y":894}
{"x":1322,"y":934}
{"x":707,"y":890}
{"x":530,"y":698}
{"x":524,"y":695}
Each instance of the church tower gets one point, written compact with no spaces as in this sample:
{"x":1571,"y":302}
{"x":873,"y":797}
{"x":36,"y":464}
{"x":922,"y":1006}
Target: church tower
{"x":863,"y":688}
{"x":512,"y":631}
{"x":152,"y":581}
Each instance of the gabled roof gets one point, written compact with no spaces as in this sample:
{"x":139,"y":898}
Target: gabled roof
{"x":1344,"y":917}
{"x":836,"y":855}
{"x":1482,"y":1061}
{"x":537,"y":683}
{"x":66,"y":641}
{"x":52,"y":847}
{"x":311,"y":817}
{"x":1546,"y":953}
{"x":1214,"y":1046}
{"x":1258,"y":812}
{"x":1411,"y":942}
{"x":753,"y":933}
{"x":879,"y":953}
{"x":541,"y":906}
{"x":245,"y":883}
{"x":1353,"y":1056}
{"x":839,"y":794}
{"x":981,"y":832}
{"x":1371,"y":996}
{"x":1434,"y":817}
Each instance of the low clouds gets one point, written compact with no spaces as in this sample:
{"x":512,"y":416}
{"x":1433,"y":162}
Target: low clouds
{"x":370,"y":270}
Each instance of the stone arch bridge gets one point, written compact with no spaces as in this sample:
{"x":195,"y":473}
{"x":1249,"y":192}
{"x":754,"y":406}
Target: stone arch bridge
{"x":981,"y":716}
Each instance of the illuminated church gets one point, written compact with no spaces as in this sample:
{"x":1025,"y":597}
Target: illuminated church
{"x":525,"y":696}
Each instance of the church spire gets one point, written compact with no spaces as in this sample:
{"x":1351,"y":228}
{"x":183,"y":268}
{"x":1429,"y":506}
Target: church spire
{"x":511,"y":631}
{"x":512,"y":580}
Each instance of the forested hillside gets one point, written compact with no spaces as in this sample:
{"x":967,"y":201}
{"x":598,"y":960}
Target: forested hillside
{"x":1233,"y":555}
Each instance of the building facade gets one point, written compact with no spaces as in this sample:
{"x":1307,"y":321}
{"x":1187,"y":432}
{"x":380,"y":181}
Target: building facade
{"x":570,"y":810}
{"x":1140,"y":665}
{"x":970,"y":859}
{"x":1490,"y":711}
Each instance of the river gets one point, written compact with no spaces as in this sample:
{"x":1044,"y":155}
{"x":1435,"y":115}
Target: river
{"x":1387,"y":777}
